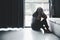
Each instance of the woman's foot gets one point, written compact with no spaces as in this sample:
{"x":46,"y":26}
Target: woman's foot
{"x":47,"y":31}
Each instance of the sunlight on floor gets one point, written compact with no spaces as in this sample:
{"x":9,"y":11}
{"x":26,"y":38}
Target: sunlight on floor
{"x":27,"y":34}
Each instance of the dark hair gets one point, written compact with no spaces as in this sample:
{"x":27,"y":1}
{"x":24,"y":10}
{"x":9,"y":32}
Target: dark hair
{"x":36,"y":13}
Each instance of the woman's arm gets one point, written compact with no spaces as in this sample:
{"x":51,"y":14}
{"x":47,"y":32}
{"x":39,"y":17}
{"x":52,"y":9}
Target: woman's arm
{"x":44,"y":15}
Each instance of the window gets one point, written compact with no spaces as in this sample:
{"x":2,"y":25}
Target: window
{"x":30,"y":8}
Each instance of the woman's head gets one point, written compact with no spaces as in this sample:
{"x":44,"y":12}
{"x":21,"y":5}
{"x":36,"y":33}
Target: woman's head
{"x":39,"y":10}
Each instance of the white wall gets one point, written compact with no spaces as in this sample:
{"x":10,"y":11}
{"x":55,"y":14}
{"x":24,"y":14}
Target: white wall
{"x":55,"y":25}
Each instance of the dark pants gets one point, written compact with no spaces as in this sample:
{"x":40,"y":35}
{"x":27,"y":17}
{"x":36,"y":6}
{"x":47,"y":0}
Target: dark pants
{"x":44,"y":22}
{"x":39,"y":24}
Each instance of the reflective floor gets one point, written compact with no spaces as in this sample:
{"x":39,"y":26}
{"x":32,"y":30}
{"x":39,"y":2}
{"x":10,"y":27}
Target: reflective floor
{"x":27,"y":34}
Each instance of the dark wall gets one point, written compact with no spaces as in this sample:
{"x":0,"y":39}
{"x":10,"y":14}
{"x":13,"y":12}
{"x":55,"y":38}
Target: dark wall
{"x":56,"y":6}
{"x":11,"y":14}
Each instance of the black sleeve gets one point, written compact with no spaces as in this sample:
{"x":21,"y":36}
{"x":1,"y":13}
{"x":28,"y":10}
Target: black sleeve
{"x":44,"y":15}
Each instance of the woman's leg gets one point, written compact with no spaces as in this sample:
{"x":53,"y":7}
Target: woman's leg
{"x":44,"y":22}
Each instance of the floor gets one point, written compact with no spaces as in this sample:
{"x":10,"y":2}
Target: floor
{"x":27,"y":34}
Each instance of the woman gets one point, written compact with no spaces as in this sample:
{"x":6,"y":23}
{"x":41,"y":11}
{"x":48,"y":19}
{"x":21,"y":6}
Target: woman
{"x":37,"y":23}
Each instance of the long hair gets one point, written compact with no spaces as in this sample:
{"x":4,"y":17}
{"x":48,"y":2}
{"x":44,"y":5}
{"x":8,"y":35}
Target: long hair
{"x":37,"y":11}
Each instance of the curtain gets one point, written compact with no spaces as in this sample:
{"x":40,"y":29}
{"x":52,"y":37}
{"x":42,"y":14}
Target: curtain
{"x":10,"y":14}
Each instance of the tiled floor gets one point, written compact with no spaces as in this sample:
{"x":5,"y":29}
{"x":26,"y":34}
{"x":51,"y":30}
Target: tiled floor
{"x":27,"y":34}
